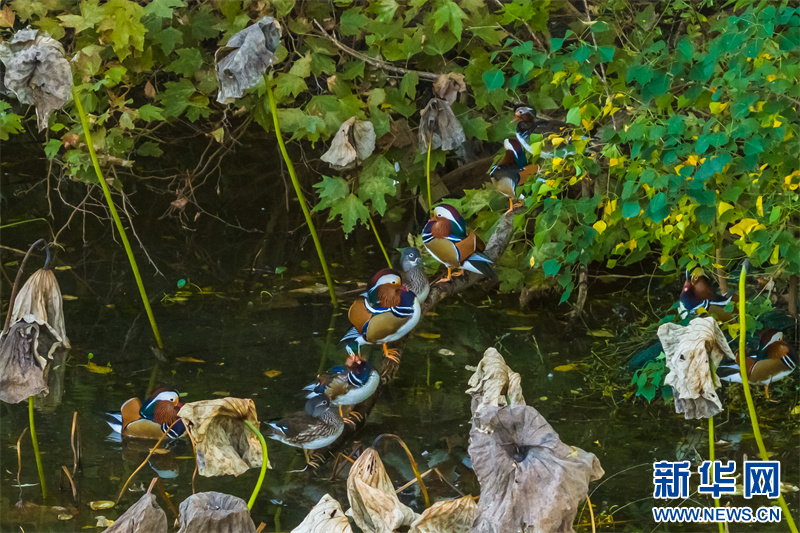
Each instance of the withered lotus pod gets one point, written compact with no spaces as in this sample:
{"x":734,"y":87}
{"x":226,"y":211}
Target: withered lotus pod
{"x":354,"y":142}
{"x":39,"y":300}
{"x":325,"y":517}
{"x":373,"y":501}
{"x":447,"y":86}
{"x":440,"y":126}
{"x":251,"y":52}
{"x":21,"y":364}
{"x":688,"y":350}
{"x":494,"y":384}
{"x":215,"y":512}
{"x":447,"y":516}
{"x":36,"y":72}
{"x":144,"y":516}
{"x":225,"y":445}
{"x":530,"y":480}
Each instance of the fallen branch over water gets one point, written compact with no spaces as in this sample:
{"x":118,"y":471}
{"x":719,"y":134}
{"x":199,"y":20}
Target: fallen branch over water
{"x":495,"y":248}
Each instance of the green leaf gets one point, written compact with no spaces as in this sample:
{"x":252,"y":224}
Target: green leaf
{"x":175,"y":97}
{"x":189,"y":60}
{"x":352,"y":210}
{"x":353,"y":21}
{"x":168,"y":38}
{"x":162,"y":8}
{"x":452,"y":15}
{"x":123,"y":23}
{"x":52,"y":147}
{"x":657,"y":208}
{"x":10,"y":123}
{"x":630,"y":209}
{"x":150,"y":149}
{"x":150,"y":112}
{"x":330,"y":190}
{"x":574,"y":116}
{"x":302,"y":67}
{"x":607,"y":53}
{"x":476,"y":128}
{"x":376,"y":181}
{"x":408,"y":85}
{"x":551,"y":267}
{"x":493,"y":79}
{"x":289,"y":84}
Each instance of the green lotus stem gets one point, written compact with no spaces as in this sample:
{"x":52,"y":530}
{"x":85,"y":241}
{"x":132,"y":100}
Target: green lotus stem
{"x":762,"y":450}
{"x":428,"y":173}
{"x":711,"y":458}
{"x":273,"y":106}
{"x":264,"y":463}
{"x":36,"y":453}
{"x":88,"y":136}
{"x":380,"y":242}
{"x":12,"y":224}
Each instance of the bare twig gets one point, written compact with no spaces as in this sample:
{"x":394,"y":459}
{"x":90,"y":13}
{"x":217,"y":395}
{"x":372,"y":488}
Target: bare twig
{"x":71,"y":483}
{"x":375,"y":62}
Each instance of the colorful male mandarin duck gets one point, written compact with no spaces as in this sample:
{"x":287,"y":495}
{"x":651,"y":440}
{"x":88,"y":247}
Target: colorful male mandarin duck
{"x":555,"y":132}
{"x":385,"y":313}
{"x":775,"y":360}
{"x":445,"y":237}
{"x":316,"y":427}
{"x":350,"y":384}
{"x":698,"y":293}
{"x":506,"y":175}
{"x":413,"y":274}
{"x":152,"y":420}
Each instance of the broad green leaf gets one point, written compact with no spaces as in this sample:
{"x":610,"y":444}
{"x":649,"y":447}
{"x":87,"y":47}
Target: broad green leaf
{"x":574,"y":116}
{"x":408,"y":85}
{"x":189,"y":60}
{"x":493,"y":79}
{"x":376,"y":181}
{"x":162,"y":8}
{"x":330,"y":190}
{"x":352,"y":210}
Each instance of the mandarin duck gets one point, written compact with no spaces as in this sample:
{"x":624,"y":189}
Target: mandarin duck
{"x":698,"y":293}
{"x":319,"y":425}
{"x":508,"y":173}
{"x":555,"y":132}
{"x":385,"y":313}
{"x":413,"y":274}
{"x":445,"y":237}
{"x":151,"y":421}
{"x":774,"y":360}
{"x":350,"y":384}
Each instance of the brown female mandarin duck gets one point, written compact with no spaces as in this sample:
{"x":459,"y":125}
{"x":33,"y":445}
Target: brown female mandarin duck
{"x":385,"y":313}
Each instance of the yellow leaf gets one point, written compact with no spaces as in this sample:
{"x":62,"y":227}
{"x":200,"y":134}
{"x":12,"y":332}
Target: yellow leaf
{"x":749,"y":248}
{"x":588,"y":126}
{"x":745,"y":226}
{"x":600,"y":226}
{"x":429,"y":335}
{"x":521,"y":328}
{"x":760,"y":206}
{"x":64,"y":267}
{"x":221,"y":393}
{"x":717,"y":107}
{"x":69,"y":297}
{"x":776,"y":123}
{"x":724,"y":206}
{"x":796,"y":409}
{"x":565,"y":368}
{"x":601,"y":333}
{"x":543,"y":398}
{"x":189,"y":360}
{"x":272,"y":373}
{"x":771,"y":77}
{"x":532,"y":261}
{"x":613,"y":161}
{"x":91,"y":367}
{"x":692,"y":160}
{"x":557,"y":140}
{"x":773,"y":258}
{"x":611,"y":207}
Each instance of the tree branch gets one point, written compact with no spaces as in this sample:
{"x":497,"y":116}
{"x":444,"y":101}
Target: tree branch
{"x":374,"y":61}
{"x":497,"y":244}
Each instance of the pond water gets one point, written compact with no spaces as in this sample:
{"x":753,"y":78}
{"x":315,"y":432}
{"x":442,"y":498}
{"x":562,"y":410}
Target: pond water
{"x":241,"y":324}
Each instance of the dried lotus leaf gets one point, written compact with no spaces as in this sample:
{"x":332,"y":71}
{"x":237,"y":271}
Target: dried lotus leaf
{"x":325,"y":517}
{"x":251,"y":52}
{"x":440,"y":127}
{"x":688,"y":351}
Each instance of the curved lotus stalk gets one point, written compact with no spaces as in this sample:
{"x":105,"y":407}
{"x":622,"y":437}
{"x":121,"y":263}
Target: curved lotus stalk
{"x":21,"y":364}
{"x":144,"y":516}
{"x":39,"y":301}
{"x":447,"y":86}
{"x":325,"y":517}
{"x":447,"y":516}
{"x":354,"y":142}
{"x":36,"y":72}
{"x":225,"y":446}
{"x":252,"y":51}
{"x":494,"y":384}
{"x":373,"y":501}
{"x":688,"y":351}
{"x":530,"y":480}
{"x":215,"y":512}
{"x":440,"y":127}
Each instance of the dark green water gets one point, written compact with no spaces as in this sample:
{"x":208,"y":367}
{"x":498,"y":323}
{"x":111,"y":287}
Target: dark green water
{"x":252,"y":323}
